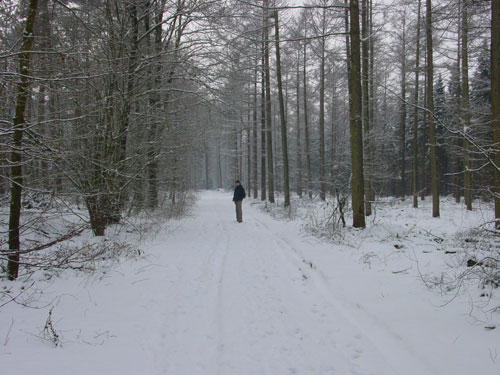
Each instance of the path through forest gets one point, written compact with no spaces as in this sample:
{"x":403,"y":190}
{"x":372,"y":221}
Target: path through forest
{"x":215,"y":297}
{"x":244,"y":301}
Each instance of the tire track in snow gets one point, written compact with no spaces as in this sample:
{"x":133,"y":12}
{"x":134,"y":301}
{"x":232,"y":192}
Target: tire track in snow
{"x":219,"y":304}
{"x":375,"y":329}
{"x":310,"y":307}
{"x":190,"y":329}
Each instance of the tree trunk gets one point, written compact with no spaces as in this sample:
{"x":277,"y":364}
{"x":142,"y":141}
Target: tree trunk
{"x":249,"y":156}
{"x":263,"y":174}
{"x":152,"y":169}
{"x":370,"y":193}
{"x":284,"y":144}
{"x":322,"y":160}
{"x":466,"y":110}
{"x":298,"y":135}
{"x":495,"y":101}
{"x":254,"y":138}
{"x":306,"y":127}
{"x":415,"y":113}
{"x":117,"y":182}
{"x":365,"y":90}
{"x":207,"y":173}
{"x":332,"y":132}
{"x":356,"y":126}
{"x":430,"y":109}
{"x":269,"y":126}
{"x":424,"y":146}
{"x":219,"y":167}
{"x":403,"y":114}
{"x":16,"y":171}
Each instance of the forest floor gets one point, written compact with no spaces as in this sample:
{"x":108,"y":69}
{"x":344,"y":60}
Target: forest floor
{"x":215,"y":297}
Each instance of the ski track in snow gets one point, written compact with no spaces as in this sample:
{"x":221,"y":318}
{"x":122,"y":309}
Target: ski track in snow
{"x":216,"y":297}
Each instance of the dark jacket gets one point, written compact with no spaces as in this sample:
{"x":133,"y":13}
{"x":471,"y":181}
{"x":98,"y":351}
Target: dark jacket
{"x":239,"y":193}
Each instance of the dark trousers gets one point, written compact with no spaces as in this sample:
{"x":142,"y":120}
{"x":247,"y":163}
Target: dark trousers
{"x":239,"y":212}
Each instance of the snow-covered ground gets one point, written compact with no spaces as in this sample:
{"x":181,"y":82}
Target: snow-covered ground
{"x":211,"y":296}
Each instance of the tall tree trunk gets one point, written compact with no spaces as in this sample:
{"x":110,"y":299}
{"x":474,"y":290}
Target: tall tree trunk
{"x":457,"y":164}
{"x":207,"y":172}
{"x":430,"y":109}
{"x":239,"y":149}
{"x":466,"y":110}
{"x":306,"y":127}
{"x":322,"y":160}
{"x":370,"y":193}
{"x":333,"y":118}
{"x":269,"y":119}
{"x":249,"y":156}
{"x":347,"y":48}
{"x":356,"y":125}
{"x":495,"y":101}
{"x":298,"y":135}
{"x":403,"y":114}
{"x":424,"y":185}
{"x":16,"y":171}
{"x":219,"y":166}
{"x":415,"y":113}
{"x":152,"y":169}
{"x":43,"y":29}
{"x":284,"y":143}
{"x":263,"y":186}
{"x":365,"y":90}
{"x":254,"y":137}
{"x":117,"y":181}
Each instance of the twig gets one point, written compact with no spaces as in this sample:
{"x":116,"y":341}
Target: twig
{"x":13,"y":299}
{"x":6,"y":341}
{"x":406,"y":269}
{"x":67,"y":236}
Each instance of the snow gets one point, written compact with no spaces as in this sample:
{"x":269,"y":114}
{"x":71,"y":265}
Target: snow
{"x":212,"y":296}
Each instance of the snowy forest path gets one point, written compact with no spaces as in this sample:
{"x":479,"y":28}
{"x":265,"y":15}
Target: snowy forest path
{"x":210,"y":296}
{"x":246,"y":302}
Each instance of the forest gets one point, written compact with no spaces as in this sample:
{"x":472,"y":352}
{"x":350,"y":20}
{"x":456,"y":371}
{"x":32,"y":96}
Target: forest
{"x":366,"y":134}
{"x":124,"y":106}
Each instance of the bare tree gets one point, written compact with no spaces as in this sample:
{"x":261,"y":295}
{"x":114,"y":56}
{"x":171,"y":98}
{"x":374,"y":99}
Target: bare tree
{"x":306,"y":114}
{"x":495,"y":100}
{"x":19,"y":123}
{"x":466,"y":110}
{"x":284,"y":143}
{"x":269,"y":126}
{"x":430,"y":109}
{"x":356,"y":113}
{"x":416,"y":110}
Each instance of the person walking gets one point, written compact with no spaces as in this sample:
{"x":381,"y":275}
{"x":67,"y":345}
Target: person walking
{"x":238,"y":196}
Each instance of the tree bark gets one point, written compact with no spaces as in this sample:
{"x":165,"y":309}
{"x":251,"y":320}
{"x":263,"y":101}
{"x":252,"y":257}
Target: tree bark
{"x":269,"y":126}
{"x":466,"y":110}
{"x":16,"y":171}
{"x":254,"y":137}
{"x":403,"y":114}
{"x":306,"y":127}
{"x":365,"y":91}
{"x":284,"y":142}
{"x":415,"y":113}
{"x":322,"y":160}
{"x":263,"y":186}
{"x":370,"y":193}
{"x":333,"y":119}
{"x":298,"y":134}
{"x":356,"y":126}
{"x":430,"y":109}
{"x":249,"y":153}
{"x":495,"y":101}
{"x":152,"y":169}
